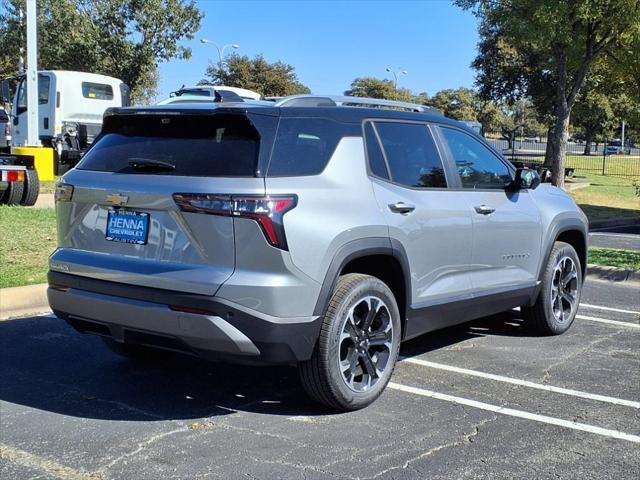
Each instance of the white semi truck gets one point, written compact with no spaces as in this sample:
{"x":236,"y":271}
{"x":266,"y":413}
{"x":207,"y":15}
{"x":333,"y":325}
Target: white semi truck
{"x":70,"y":110}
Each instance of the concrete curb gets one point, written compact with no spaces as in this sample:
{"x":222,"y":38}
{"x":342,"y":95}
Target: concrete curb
{"x":613,"y":274}
{"x":570,"y":187}
{"x":20,"y":301}
{"x":622,"y":222}
{"x":45,"y":200}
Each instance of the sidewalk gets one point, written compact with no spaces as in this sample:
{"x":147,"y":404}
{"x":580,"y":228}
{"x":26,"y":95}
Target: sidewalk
{"x":45,"y":200}
{"x":21,"y":301}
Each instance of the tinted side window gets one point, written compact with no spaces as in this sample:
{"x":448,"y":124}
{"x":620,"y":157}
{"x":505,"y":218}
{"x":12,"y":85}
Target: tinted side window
{"x":374,"y":152}
{"x":477,"y":166}
{"x":303,"y":146}
{"x":412,"y":155}
{"x":97,"y":91}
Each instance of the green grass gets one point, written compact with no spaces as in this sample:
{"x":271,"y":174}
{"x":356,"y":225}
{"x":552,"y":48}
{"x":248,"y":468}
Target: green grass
{"x":614,"y":164}
{"x":27,"y":237}
{"x":612,"y":257}
{"x":608,"y":197}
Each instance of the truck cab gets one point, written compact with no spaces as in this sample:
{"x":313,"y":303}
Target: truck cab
{"x":71,"y":106}
{"x":5,"y":131}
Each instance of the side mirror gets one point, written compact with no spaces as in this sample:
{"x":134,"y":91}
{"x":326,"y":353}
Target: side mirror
{"x":5,"y":93}
{"x":525,"y":178}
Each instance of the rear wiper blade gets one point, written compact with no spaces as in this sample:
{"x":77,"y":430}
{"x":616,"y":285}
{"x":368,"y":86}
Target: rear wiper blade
{"x":148,"y":164}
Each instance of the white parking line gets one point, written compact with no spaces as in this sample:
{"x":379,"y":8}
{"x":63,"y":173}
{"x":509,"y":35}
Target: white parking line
{"x":36,"y":462}
{"x":610,"y":322}
{"x":517,"y":413}
{"x":524,"y":383}
{"x":608,"y":309}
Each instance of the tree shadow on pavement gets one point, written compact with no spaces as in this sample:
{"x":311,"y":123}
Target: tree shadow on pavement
{"x":46,"y":365}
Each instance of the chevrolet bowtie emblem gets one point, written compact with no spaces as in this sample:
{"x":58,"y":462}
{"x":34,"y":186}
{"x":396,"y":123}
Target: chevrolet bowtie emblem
{"x":117,"y":199}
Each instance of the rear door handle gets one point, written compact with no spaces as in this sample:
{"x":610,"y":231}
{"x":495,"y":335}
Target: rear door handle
{"x":484,"y":209}
{"x":401,"y":207}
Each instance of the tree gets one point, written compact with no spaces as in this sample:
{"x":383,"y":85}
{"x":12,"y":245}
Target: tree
{"x":593,"y":113}
{"x":528,"y":48}
{"x":375,"y":88}
{"x":269,"y":79}
{"x":489,"y":115}
{"x":459,"y":103}
{"x":121,"y":38}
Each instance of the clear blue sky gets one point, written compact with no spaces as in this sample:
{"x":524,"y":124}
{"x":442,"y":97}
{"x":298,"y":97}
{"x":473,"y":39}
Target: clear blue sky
{"x":331,"y":42}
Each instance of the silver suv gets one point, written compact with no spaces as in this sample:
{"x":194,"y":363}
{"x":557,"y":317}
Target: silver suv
{"x":313,"y":231}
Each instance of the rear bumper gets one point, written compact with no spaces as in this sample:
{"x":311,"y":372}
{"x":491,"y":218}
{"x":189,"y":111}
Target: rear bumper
{"x":211,"y":328}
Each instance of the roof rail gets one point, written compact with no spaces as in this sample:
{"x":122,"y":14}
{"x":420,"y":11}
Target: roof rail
{"x":341,"y":100}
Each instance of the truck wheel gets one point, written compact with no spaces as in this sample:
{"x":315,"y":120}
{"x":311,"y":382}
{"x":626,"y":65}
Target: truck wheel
{"x":31,"y":188}
{"x":559,"y":297}
{"x":358,"y":345}
{"x":13,"y":194}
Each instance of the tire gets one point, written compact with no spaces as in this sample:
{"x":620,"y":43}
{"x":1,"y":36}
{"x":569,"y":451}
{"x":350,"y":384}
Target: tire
{"x":559,"y":297}
{"x":337,"y":373}
{"x":13,"y":194}
{"x":131,"y":351}
{"x":31,"y":189}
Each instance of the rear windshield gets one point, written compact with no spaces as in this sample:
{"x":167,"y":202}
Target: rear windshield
{"x":200,"y":146}
{"x":97,"y":91}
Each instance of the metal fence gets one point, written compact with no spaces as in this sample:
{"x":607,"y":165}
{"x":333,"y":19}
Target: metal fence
{"x":604,"y":159}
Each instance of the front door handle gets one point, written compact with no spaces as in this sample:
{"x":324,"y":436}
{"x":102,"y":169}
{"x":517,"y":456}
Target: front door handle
{"x":484,"y":209}
{"x":401,"y":207}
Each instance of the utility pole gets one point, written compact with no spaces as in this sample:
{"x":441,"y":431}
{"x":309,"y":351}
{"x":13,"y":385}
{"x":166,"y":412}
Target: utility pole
{"x":21,"y":59}
{"x":33,"y":139}
{"x":622,"y":139}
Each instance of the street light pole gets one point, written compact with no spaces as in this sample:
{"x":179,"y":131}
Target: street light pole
{"x":396,"y":75}
{"x":31,"y":82}
{"x":220,"y":50}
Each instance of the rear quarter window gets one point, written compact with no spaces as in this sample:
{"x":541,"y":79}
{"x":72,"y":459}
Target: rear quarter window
{"x":304,"y":146}
{"x":201,"y":146}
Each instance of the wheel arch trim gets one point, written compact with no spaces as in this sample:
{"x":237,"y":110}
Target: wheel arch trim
{"x":360,"y":248}
{"x":560,"y":227}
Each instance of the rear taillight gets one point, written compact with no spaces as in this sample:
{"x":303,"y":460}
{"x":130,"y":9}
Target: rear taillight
{"x":267,"y":211}
{"x":63,"y":193}
{"x":15,"y":176}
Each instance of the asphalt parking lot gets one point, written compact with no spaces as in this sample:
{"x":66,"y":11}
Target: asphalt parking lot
{"x":482,"y":400}
{"x":627,"y":237}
